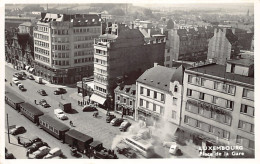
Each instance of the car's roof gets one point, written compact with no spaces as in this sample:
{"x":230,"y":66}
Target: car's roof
{"x":58,"y":109}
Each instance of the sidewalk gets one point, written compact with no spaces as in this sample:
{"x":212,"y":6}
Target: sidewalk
{"x":13,"y":147}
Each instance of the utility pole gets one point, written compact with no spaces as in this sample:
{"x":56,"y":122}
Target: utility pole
{"x":82,"y":92}
{"x":7,"y":128}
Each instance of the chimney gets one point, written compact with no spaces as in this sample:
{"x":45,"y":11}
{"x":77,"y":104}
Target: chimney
{"x":155,"y":64}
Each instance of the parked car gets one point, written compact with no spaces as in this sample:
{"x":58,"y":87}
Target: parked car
{"x":9,"y":156}
{"x":60,"y":114}
{"x":124,"y":149}
{"x":174,"y":149}
{"x":30,"y":77}
{"x":110,"y":117}
{"x":116,"y":121}
{"x":15,"y":81}
{"x":36,"y":146}
{"x":42,"y":92}
{"x":23,"y":74}
{"x":17,"y":130}
{"x":89,"y":108}
{"x":21,"y":87}
{"x":54,"y":153}
{"x":31,"y":141}
{"x":44,"y":103}
{"x":18,"y":76}
{"x":124,"y":125}
{"x":44,"y":150}
{"x":60,"y":91}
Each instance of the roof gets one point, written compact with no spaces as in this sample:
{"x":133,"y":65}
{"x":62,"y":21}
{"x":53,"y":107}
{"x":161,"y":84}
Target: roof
{"x":95,"y":143}
{"x":14,"y":98}
{"x":158,"y":77}
{"x":108,"y":36}
{"x":53,"y":122}
{"x":79,"y":136}
{"x":220,"y":71}
{"x":178,"y":74}
{"x":32,"y":109}
{"x":178,"y":64}
{"x":26,"y":24}
{"x":128,"y":89}
{"x":243,"y":62}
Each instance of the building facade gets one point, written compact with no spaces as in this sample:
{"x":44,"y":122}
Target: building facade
{"x":218,"y":104}
{"x":125,"y":97}
{"x":122,"y":52}
{"x":187,"y":44}
{"x":223,"y":45}
{"x":63,"y":46}
{"x":159,"y":97}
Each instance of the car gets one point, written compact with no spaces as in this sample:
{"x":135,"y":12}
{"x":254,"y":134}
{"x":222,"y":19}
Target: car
{"x":23,"y":74}
{"x":31,"y":141}
{"x":44,"y":150}
{"x":17,"y":130}
{"x":89,"y":108}
{"x":116,"y":121}
{"x":18,"y":76}
{"x":44,"y":103}
{"x":30,"y":77}
{"x":110,"y":117}
{"x":168,"y":144}
{"x":60,"y":91}
{"x":60,"y":114}
{"x":15,"y":81}
{"x":36,"y":146}
{"x":21,"y":87}
{"x":124,"y":125}
{"x":173,"y":148}
{"x":42,"y":92}
{"x":55,"y":152}
{"x":9,"y":156}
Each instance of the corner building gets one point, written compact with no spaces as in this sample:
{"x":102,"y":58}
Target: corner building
{"x":218,"y":104}
{"x":63,"y":46}
{"x":122,"y":52}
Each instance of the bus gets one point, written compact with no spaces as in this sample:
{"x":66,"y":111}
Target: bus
{"x":142,"y":146}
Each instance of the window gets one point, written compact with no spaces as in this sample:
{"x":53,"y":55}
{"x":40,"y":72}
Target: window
{"x":155,"y":95}
{"x":198,"y":125}
{"x":161,"y":110}
{"x":239,"y":139}
{"x":174,"y":101}
{"x":141,"y":90}
{"x":147,"y":104}
{"x":214,"y":99}
{"x":141,"y":102}
{"x":251,"y":144}
{"x":186,"y":119}
{"x":148,"y":92}
{"x":230,"y":104}
{"x":124,"y":100}
{"x":162,"y":97}
{"x":202,"y":95}
{"x":189,"y":78}
{"x":216,"y":85}
{"x":154,"y":107}
{"x":202,"y":81}
{"x":173,"y":114}
{"x":245,"y":109}
{"x":175,"y":88}
{"x":130,"y":102}
{"x":189,"y":92}
{"x":210,"y":128}
{"x":248,"y":94}
{"x":225,"y":134}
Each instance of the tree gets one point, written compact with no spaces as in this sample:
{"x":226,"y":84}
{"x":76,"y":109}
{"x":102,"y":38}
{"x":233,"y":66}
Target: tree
{"x":170,"y":24}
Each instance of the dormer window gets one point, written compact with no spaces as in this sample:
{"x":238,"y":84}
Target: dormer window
{"x":175,"y":88}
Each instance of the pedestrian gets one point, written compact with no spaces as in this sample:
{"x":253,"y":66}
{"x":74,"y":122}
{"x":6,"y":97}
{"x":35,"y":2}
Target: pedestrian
{"x":11,"y":84}
{"x":18,"y":139}
{"x":122,"y":116}
{"x":35,"y":101}
{"x":78,"y":102}
{"x":71,"y":124}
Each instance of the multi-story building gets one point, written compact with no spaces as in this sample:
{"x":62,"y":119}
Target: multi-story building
{"x":218,"y":104}
{"x":187,"y":44}
{"x":122,"y":52}
{"x":63,"y":46}
{"x":125,"y":97}
{"x":159,"y":96}
{"x":223,"y":45}
{"x":26,"y":27}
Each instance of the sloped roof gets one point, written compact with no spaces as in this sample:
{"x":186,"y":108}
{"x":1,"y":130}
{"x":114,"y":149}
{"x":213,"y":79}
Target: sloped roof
{"x":79,"y":136}
{"x":243,"y":62}
{"x":158,"y":77}
{"x":53,"y":122}
{"x":178,"y":75}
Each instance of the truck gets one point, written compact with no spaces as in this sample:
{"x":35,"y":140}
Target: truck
{"x":65,"y":106}
{"x":38,"y":80}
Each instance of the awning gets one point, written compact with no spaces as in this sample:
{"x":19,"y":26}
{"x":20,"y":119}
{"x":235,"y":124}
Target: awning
{"x":31,"y":69}
{"x":27,"y":67}
{"x":97,"y":99}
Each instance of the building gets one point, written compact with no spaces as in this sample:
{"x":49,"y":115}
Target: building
{"x":26,"y":27}
{"x":122,"y":52}
{"x":159,"y":96}
{"x":223,"y":45}
{"x":63,"y":46}
{"x":187,"y":44}
{"x":218,"y":104}
{"x":15,"y":21}
{"x":125,"y":97}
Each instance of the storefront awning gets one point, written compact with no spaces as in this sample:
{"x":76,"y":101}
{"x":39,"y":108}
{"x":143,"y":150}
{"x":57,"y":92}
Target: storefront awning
{"x":27,"y":67}
{"x":98,"y":99}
